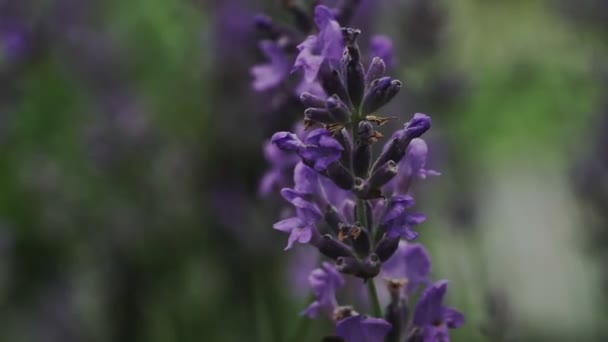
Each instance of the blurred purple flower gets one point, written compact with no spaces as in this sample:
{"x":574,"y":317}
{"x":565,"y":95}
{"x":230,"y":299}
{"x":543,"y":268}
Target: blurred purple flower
{"x":324,"y":282}
{"x":411,"y":262}
{"x":361,"y":328}
{"x":328,"y":44}
{"x":382,"y":46}
{"x":271,"y":74}
{"x":433,"y":317}
{"x":13,"y":40}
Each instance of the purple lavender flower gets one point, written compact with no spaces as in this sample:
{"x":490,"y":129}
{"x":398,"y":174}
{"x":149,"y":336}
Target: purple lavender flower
{"x":361,"y":328}
{"x":382,"y":46}
{"x":301,"y":228}
{"x":271,"y":74}
{"x":397,"y":221}
{"x":324,"y":282}
{"x":411,"y":262}
{"x":281,"y":165}
{"x":432,"y":317}
{"x":13,"y":40}
{"x":319,"y":149}
{"x":328,"y":44}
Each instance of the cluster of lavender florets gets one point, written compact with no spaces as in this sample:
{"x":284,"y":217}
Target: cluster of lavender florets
{"x":354,"y":207}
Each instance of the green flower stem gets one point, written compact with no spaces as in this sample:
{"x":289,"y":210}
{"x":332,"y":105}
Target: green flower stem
{"x":373,"y":296}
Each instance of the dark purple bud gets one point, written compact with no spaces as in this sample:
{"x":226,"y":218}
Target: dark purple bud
{"x":362,"y":158}
{"x":397,"y":314}
{"x":344,"y":138}
{"x":320,"y":115}
{"x":341,"y":176}
{"x":371,"y":267}
{"x":375,"y":95}
{"x":361,"y":187}
{"x":333,"y":218}
{"x":417,"y":126}
{"x":383,"y":175}
{"x":310,"y":100}
{"x":334,"y":249}
{"x":338,"y":109}
{"x":331,"y":81}
{"x":348,"y":265}
{"x":368,"y":268}
{"x":381,"y":91}
{"x":392,"y":152}
{"x":387,"y":247}
{"x":375,"y":71}
{"x":392,"y":91}
{"x":397,"y":146}
{"x":355,"y":77}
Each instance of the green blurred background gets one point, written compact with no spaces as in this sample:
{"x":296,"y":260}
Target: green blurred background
{"x":130,"y":155}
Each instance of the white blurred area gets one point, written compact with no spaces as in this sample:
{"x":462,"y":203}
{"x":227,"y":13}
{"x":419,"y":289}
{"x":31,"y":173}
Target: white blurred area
{"x":530,"y":246}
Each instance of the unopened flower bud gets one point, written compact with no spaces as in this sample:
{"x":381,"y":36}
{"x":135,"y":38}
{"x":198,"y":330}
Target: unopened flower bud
{"x":376,"y":70}
{"x":344,"y":138}
{"x":339,"y":111}
{"x":331,"y":81}
{"x":355,"y":78}
{"x":311,"y":100}
{"x":320,"y":115}
{"x":333,"y":249}
{"x":376,"y":95}
{"x":362,"y":157}
{"x":387,"y":247}
{"x":340,"y":176}
{"x":383,"y":174}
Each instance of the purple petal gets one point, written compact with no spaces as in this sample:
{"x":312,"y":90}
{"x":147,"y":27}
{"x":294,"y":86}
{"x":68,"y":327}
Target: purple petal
{"x":362,"y":329}
{"x":288,"y":224}
{"x":287,"y":141}
{"x":301,"y":235}
{"x":411,"y":261}
{"x":269,"y":75}
{"x":312,"y":311}
{"x":396,"y":207}
{"x":452,"y":318}
{"x":269,"y":180}
{"x":305,"y":179}
{"x":429,"y":309}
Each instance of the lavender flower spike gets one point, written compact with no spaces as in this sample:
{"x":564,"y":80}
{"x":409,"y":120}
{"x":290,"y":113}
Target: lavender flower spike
{"x":270,"y":75}
{"x":324,"y":282}
{"x":432,"y":317}
{"x":327,"y":45}
{"x":361,"y":328}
